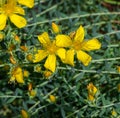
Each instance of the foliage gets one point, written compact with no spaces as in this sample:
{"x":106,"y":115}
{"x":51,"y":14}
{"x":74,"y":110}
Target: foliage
{"x":91,"y":91}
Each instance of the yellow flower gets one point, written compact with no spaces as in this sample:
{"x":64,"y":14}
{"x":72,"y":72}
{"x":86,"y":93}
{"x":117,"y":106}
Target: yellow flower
{"x":28,"y":3}
{"x":12,"y":11}
{"x":77,"y":45}
{"x":24,"y":114}
{"x":52,"y":98}
{"x":17,"y":75}
{"x":50,"y":50}
{"x":91,"y":89}
{"x":55,"y":28}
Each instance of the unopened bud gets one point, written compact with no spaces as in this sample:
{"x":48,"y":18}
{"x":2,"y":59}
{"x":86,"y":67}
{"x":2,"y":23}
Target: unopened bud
{"x":55,"y":28}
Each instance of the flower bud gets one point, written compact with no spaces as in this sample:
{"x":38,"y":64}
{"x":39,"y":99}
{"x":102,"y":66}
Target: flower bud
{"x":24,"y":48}
{"x":30,"y":86}
{"x":1,"y":36}
{"x":29,"y":57}
{"x":52,"y":98}
{"x":47,"y":73}
{"x":32,"y":93}
{"x":26,"y":73}
{"x":55,"y":28}
{"x":24,"y":114}
{"x":12,"y":60}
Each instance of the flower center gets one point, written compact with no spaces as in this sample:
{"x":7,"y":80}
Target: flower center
{"x":51,"y":48}
{"x":76,"y":45}
{"x":9,"y":7}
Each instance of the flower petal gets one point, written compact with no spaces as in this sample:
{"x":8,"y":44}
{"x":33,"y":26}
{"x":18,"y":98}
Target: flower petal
{"x":3,"y":19}
{"x":28,"y":3}
{"x":63,"y":41}
{"x":92,"y":44}
{"x":18,"y":21}
{"x":83,"y":57}
{"x":19,"y":78}
{"x":79,"y":34}
{"x":51,"y":63}
{"x":19,"y":10}
{"x":44,"y":38}
{"x":40,"y":56}
{"x":61,"y":53}
{"x":70,"y":57}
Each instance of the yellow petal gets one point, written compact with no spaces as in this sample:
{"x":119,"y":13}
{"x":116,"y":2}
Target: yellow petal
{"x":70,"y":57}
{"x":28,"y":3}
{"x":18,"y":21}
{"x":63,"y":41}
{"x":1,"y":10}
{"x":51,"y":63}
{"x":83,"y":57}
{"x":11,"y":3}
{"x":40,"y":56}
{"x":3,"y":19}
{"x":19,"y":78}
{"x":79,"y":34}
{"x":19,"y":10}
{"x":61,"y":53}
{"x":92,"y":44}
{"x":44,"y":38}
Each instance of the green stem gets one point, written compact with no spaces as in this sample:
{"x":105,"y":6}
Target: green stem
{"x":74,"y":16}
{"x":91,"y":71}
{"x":47,"y":10}
{"x":30,"y":109}
{"x":112,"y":2}
{"x":84,"y":107}
{"x":10,"y":96}
{"x":109,"y":59}
{"x":102,"y":35}
{"x":39,"y":109}
{"x":43,"y":84}
{"x":106,"y":106}
{"x":50,"y":93}
{"x":71,"y":87}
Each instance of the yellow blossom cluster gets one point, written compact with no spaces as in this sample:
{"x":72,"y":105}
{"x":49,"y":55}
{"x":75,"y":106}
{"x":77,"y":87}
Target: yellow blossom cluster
{"x":65,"y":47}
{"x":11,"y":10}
